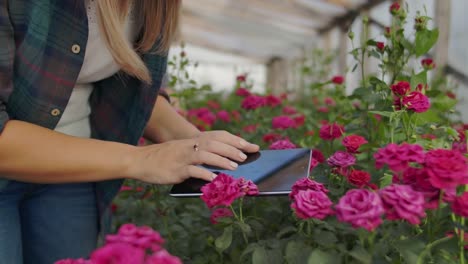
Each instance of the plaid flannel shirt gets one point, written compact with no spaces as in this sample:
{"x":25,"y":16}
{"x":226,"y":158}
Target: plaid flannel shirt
{"x":42,"y":47}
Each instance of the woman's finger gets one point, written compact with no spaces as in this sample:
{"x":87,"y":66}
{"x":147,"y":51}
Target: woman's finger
{"x":200,"y":173}
{"x":208,"y":158}
{"x":232,"y":140}
{"x":223,"y":149}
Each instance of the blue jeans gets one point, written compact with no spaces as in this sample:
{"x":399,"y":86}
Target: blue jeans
{"x":42,"y":223}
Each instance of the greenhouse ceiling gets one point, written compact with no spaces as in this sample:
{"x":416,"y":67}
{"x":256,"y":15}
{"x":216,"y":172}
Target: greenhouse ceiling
{"x":264,"y":29}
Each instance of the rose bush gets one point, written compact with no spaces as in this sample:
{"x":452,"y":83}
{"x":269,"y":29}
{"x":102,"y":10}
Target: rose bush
{"x":388,"y":169}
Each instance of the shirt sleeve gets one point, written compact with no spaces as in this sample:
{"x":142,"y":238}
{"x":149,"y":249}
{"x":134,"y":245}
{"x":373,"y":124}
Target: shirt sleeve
{"x":7,"y":52}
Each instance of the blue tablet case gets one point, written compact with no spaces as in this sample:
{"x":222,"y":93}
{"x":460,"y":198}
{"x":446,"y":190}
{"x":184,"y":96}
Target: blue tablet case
{"x":269,"y":162}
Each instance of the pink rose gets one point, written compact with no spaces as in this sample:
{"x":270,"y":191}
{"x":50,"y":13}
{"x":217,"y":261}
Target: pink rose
{"x":417,"y":102}
{"x":282,"y":144}
{"x":446,"y":168}
{"x":250,"y":128}
{"x":341,"y":159}
{"x":401,"y":88}
{"x":460,"y":205}
{"x":361,"y":208}
{"x":331,"y":131}
{"x":242,"y":92}
{"x":222,"y":191}
{"x":118,"y":253}
{"x":223,"y":115}
{"x":127,"y":230}
{"x":402,"y":202}
{"x":306,"y":184}
{"x":338,"y":79}
{"x":329,"y":101}
{"x":359,"y":178}
{"x":272,"y":100}
{"x":353,"y":142}
{"x":73,"y":261}
{"x":162,"y":257}
{"x":312,"y":204}
{"x":398,"y":157}
{"x":220,"y":213}
{"x":282,"y":122}
{"x":419,"y":181}
{"x":253,"y":102}
{"x":289,"y":110}
{"x":247,"y":187}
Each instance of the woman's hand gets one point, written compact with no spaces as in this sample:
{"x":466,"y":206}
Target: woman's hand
{"x":174,"y":161}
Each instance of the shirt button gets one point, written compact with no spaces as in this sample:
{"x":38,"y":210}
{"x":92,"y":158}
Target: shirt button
{"x":76,"y":48}
{"x":55,"y":112}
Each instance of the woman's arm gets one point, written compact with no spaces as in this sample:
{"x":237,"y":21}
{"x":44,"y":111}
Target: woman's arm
{"x":166,"y":124}
{"x":31,"y":153}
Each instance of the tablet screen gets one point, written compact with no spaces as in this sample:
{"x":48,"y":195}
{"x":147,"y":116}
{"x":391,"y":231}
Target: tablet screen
{"x":274,"y":171}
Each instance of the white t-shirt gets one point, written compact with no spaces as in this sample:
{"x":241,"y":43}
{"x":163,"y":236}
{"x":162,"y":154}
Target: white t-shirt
{"x":98,"y":64}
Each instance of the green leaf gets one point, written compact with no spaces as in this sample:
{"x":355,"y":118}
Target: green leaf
{"x":354,"y":67}
{"x":225,"y":240}
{"x":286,"y":232}
{"x":361,"y":255}
{"x":420,"y":78}
{"x":260,"y":256}
{"x":245,"y":228}
{"x":322,"y":257}
{"x":386,"y":180}
{"x":382,"y":113}
{"x":425,"y":40}
{"x":410,"y":249}
{"x":325,"y":238}
{"x":297,"y":252}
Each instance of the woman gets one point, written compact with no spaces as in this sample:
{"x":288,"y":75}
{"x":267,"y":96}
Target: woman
{"x":79,"y":85}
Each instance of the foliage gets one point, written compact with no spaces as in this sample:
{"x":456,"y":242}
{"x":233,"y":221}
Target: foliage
{"x":399,"y":110}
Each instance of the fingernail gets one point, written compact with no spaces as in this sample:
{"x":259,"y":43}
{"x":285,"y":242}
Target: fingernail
{"x":213,"y":176}
{"x":233,"y":164}
{"x":242,"y":156}
{"x":243,"y":143}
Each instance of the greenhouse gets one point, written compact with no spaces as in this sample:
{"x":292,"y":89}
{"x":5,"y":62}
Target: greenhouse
{"x":222,"y":131}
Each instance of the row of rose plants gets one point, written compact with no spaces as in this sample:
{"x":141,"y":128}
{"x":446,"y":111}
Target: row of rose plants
{"x":388,"y":173}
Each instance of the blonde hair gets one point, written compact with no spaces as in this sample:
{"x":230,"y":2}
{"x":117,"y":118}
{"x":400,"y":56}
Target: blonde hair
{"x":159,"y":23}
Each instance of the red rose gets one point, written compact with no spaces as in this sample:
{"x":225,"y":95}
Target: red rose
{"x":331,"y":131}
{"x":359,"y":178}
{"x":388,"y":32}
{"x":380,"y":46}
{"x":272,"y":100}
{"x":353,"y":142}
{"x":242,"y":92}
{"x":395,"y":8}
{"x":460,"y":205}
{"x":318,"y":155}
{"x":446,"y":168}
{"x":417,"y":102}
{"x":338,"y":79}
{"x":241,"y":78}
{"x":428,"y":64}
{"x":269,"y":138}
{"x":401,"y":88}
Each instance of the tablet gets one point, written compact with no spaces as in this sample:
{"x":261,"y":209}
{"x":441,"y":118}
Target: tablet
{"x":274,"y":172}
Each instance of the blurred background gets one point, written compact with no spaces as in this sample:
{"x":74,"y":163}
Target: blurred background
{"x":271,"y":39}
